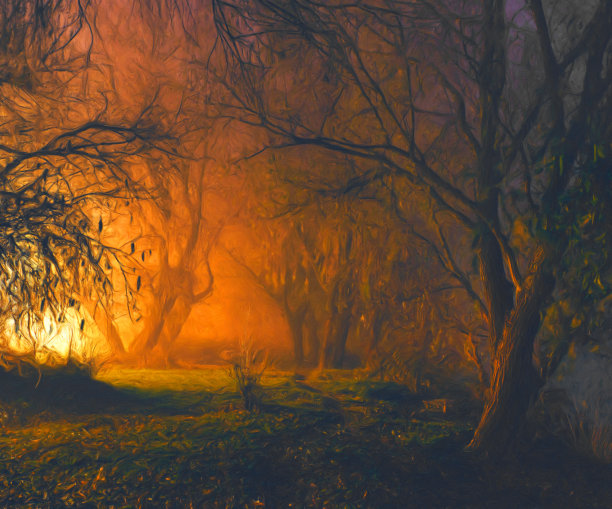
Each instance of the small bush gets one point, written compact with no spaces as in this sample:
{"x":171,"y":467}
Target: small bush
{"x":249,"y":364}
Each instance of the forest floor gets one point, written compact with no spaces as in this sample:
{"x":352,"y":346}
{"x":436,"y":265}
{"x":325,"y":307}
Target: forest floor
{"x":180,"y":438}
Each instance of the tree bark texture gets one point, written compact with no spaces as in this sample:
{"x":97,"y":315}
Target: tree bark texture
{"x":499,"y":292}
{"x":515,"y":381}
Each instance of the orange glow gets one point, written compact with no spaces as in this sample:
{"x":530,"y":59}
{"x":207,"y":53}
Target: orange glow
{"x":52,"y":341}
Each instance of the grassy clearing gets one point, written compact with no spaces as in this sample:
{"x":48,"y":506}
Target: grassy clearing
{"x":181,"y":439}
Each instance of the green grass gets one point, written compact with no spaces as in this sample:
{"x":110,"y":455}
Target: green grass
{"x":181,"y":439}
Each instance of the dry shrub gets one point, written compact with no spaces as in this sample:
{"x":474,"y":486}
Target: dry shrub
{"x":581,"y":426}
{"x":589,"y":433}
{"x":248,"y":366}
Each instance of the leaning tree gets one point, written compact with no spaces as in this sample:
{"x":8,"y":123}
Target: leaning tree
{"x":497,"y":111}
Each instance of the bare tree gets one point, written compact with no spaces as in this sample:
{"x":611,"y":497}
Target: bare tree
{"x":486,"y":107}
{"x":281,"y":273}
{"x":180,"y":231}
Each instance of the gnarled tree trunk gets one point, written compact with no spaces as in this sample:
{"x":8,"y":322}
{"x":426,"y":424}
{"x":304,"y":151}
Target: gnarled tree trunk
{"x":515,"y":381}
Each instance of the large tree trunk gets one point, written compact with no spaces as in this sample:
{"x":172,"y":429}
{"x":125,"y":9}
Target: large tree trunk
{"x":515,"y":381}
{"x":499,"y":292}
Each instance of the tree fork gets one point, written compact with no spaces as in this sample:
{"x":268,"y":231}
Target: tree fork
{"x":515,"y":381}
{"x":499,"y":292}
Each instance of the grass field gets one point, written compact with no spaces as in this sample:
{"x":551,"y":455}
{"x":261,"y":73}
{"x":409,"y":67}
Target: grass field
{"x":180,"y":438}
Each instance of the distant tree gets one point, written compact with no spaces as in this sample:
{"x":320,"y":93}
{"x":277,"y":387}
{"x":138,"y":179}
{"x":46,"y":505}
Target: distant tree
{"x":497,"y":111}
{"x":180,"y":233}
{"x":308,"y":244}
{"x":280,"y":270}
{"x":192,"y":198}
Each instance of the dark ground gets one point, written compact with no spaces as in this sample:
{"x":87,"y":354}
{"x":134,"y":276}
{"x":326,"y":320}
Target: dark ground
{"x":180,"y":439}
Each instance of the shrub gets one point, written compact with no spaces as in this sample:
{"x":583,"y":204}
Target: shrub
{"x":590,"y":434}
{"x":248,"y":366}
{"x":582,"y":426}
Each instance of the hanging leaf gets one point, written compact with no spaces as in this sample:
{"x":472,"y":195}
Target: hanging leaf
{"x":138,"y":282}
{"x":82,"y":324}
{"x":100,"y":225}
{"x":132,"y":248}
